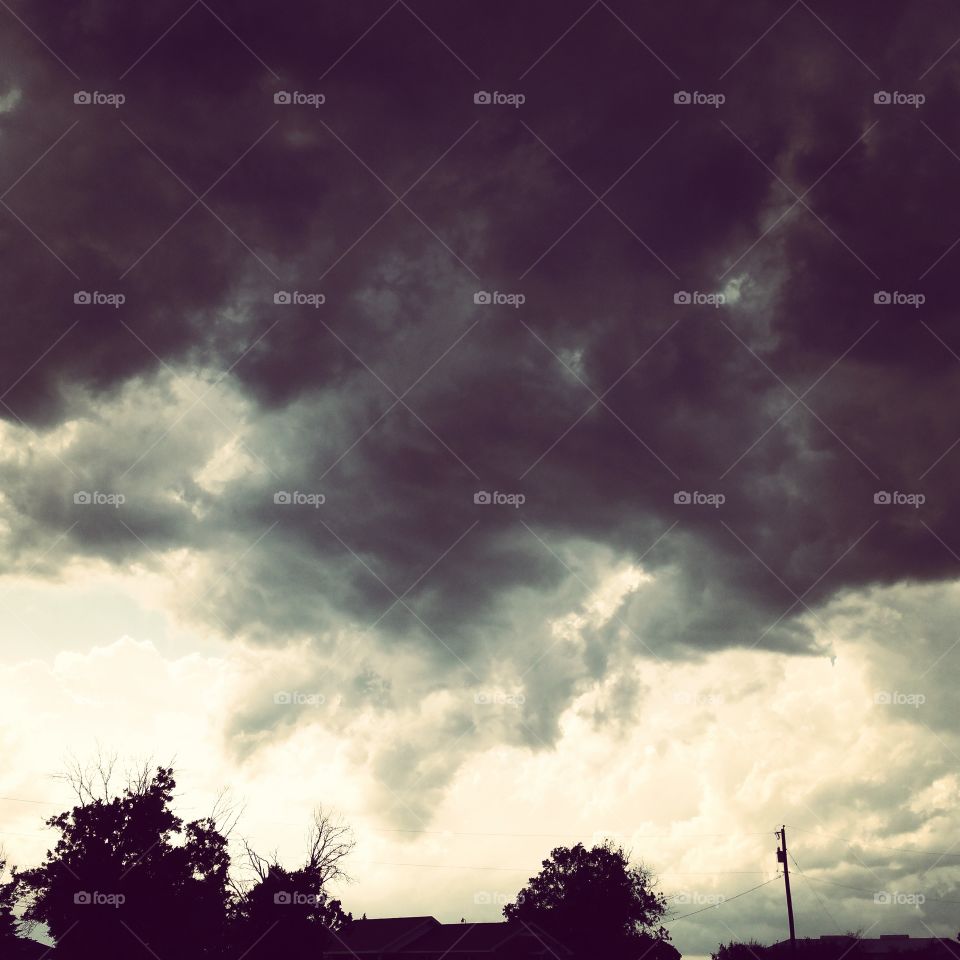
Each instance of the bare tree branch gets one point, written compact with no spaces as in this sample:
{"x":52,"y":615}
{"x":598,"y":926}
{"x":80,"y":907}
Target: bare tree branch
{"x":94,"y":780}
{"x":226,"y":812}
{"x":329,"y":841}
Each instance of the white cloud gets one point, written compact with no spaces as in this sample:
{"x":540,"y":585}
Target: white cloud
{"x":731,"y":745}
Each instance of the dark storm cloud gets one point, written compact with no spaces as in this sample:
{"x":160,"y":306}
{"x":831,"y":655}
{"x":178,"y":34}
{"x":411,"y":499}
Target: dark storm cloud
{"x":599,"y":398}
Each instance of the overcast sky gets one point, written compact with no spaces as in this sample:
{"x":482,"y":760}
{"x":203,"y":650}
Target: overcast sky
{"x":511,"y":424}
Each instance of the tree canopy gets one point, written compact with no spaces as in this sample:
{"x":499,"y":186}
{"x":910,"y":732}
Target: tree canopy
{"x":126,"y":870}
{"x":127,"y":876}
{"x":596,"y":903}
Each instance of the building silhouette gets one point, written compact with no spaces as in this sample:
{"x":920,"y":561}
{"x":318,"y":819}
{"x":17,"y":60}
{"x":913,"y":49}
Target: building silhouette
{"x":425,"y":938}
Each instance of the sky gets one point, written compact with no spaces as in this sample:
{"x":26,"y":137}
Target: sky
{"x":507,"y":424}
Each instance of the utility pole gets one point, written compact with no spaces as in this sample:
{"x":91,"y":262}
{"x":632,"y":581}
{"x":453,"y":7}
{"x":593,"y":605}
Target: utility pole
{"x":782,"y":857}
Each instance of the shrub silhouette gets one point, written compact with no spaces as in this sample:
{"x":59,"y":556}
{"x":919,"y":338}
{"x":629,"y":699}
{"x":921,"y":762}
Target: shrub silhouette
{"x":740,"y":950}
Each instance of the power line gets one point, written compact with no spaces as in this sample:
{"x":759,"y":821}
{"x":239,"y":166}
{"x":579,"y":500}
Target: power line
{"x":823,"y":906}
{"x":441,"y":866}
{"x":563,"y":833}
{"x":725,"y":900}
{"x":622,"y":833}
{"x":834,"y":883}
{"x":454,"y":866}
{"x":626,"y":834}
{"x":879,"y":846}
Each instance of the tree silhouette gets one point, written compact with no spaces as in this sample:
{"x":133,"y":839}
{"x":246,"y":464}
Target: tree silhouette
{"x":8,"y":900}
{"x":287,"y":911}
{"x":126,"y":869}
{"x":596,"y":903}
